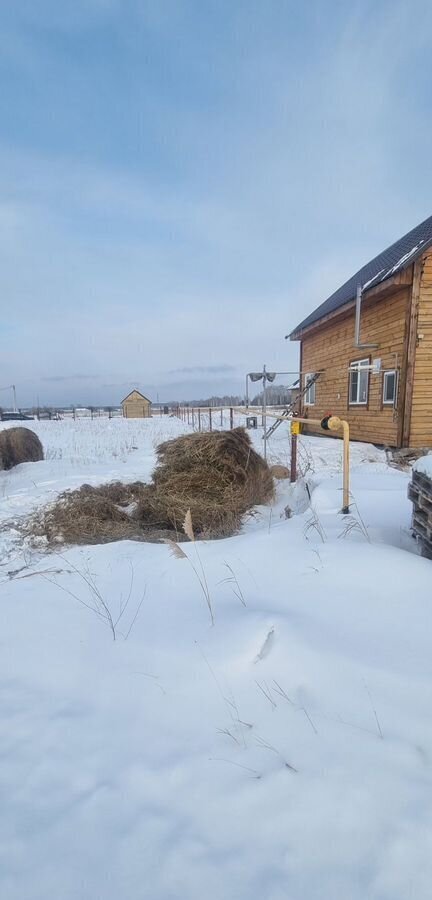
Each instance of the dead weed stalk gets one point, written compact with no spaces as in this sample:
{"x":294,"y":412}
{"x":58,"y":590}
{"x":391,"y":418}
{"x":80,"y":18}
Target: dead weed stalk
{"x":96,"y":602}
{"x":198,"y":569}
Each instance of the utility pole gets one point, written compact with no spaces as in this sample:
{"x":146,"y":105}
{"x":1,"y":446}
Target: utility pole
{"x":264,"y":411}
{"x":14,"y":398}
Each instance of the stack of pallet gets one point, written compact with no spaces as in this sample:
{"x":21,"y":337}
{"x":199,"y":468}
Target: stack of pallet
{"x":420,"y":492}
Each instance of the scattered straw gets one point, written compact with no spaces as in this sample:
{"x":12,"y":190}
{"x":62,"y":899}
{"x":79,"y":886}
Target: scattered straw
{"x":210,"y":479}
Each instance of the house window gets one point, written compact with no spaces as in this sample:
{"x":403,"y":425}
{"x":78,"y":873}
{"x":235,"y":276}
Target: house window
{"x":359,"y":382}
{"x":390,"y":387}
{"x":310,"y":389}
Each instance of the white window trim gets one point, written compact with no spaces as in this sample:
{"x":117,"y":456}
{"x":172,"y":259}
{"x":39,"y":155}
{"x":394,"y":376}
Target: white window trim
{"x":385,"y":374}
{"x":359,"y":364}
{"x":312,"y":387}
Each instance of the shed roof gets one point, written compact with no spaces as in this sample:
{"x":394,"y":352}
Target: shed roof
{"x":394,"y":259}
{"x":135,"y":391}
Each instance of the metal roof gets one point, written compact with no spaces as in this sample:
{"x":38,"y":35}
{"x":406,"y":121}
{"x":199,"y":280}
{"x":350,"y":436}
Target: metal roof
{"x":394,"y":259}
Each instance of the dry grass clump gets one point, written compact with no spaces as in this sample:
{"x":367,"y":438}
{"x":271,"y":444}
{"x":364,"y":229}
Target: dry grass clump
{"x":18,"y":445}
{"x":217,"y":476}
{"x":91,"y":515}
{"x":280,"y":472}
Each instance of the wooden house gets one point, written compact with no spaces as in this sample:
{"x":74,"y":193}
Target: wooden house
{"x":369,"y":347}
{"x":136,"y":406}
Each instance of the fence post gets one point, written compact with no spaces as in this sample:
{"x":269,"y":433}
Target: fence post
{"x":193,"y":419}
{"x":221,"y":417}
{"x":231,"y":418}
{"x":293,"y":473}
{"x":210,"y":419}
{"x":199,"y":419}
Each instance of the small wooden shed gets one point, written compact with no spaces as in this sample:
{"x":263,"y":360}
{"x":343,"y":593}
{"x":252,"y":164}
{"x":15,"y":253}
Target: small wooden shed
{"x":136,"y":406}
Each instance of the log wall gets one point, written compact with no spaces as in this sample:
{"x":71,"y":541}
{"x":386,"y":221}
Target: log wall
{"x":420,"y":433}
{"x":330,"y":347}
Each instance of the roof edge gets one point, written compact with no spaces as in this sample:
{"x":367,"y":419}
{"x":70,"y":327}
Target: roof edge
{"x":296,"y":333}
{"x":133,"y":391}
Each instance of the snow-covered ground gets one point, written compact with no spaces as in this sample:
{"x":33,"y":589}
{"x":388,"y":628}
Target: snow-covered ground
{"x":283,"y":754}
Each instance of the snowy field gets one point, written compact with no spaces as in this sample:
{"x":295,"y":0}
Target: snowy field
{"x":283,"y":754}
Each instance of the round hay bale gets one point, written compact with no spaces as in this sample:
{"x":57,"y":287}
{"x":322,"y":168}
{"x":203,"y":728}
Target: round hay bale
{"x":227,"y":451}
{"x":217,"y":475}
{"x":214,"y":514}
{"x":19,"y":445}
{"x":280,"y":472}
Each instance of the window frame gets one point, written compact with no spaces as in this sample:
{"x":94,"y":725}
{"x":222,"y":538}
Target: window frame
{"x":360,"y":363}
{"x":311,"y":387}
{"x":386,"y":373}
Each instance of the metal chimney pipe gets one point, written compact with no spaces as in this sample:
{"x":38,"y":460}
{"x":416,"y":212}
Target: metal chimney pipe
{"x":357,"y":315}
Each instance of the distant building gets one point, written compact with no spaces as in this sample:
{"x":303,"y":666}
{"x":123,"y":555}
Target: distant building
{"x":136,"y":406}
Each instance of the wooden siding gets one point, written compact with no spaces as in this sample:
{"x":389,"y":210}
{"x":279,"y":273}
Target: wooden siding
{"x":401,"y":279}
{"x":420,"y":434}
{"x":135,"y":406}
{"x":331,"y":348}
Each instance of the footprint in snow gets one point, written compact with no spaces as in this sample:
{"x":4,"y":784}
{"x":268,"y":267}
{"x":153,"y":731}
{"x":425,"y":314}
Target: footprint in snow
{"x":266,"y":647}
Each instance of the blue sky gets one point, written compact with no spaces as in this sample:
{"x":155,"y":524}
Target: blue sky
{"x":182,"y":182}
